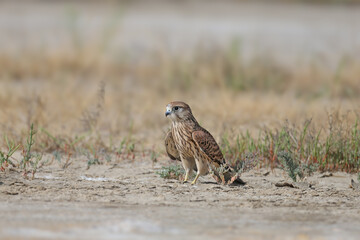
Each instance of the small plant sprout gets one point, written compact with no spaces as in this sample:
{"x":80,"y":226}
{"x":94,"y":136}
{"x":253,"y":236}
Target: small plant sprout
{"x":35,"y":163}
{"x":27,"y":149}
{"x":92,"y":158}
{"x":30,"y":158}
{"x":5,"y":157}
{"x":290,"y":165}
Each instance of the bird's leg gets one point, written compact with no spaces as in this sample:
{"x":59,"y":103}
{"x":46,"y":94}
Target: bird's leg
{"x":196,"y":178}
{"x":187,"y":164}
{"x":187,"y":175}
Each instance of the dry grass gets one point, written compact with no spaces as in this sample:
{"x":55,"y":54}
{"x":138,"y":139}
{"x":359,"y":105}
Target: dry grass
{"x":90,"y":102}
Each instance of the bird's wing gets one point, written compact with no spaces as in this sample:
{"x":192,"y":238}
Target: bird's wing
{"x":171,"y":150}
{"x":208,"y":145}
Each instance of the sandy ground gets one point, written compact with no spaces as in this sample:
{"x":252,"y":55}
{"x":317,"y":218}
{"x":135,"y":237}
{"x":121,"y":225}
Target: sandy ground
{"x":129,"y":200}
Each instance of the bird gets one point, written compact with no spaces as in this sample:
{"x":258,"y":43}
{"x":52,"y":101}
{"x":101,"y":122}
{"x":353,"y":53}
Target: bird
{"x":193,"y":145}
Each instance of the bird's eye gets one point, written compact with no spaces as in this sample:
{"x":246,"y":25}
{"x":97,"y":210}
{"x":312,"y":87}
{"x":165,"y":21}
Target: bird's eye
{"x":176,"y":108}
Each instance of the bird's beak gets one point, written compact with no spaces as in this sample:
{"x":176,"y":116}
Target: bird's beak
{"x":168,"y":111}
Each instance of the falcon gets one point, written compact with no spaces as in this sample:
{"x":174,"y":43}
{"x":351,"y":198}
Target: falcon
{"x":193,"y":145}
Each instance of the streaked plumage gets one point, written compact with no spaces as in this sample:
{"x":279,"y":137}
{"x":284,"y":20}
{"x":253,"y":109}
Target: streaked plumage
{"x":189,"y":142}
{"x":171,"y":150}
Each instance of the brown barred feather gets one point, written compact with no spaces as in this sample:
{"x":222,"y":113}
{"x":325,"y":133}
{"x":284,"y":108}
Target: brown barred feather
{"x":171,"y":150}
{"x":208,"y":145}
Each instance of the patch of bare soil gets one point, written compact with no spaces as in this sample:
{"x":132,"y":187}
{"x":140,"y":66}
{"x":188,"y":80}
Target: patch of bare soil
{"x":129,"y":200}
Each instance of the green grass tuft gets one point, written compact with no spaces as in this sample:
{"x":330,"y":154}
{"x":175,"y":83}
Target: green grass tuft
{"x":5,"y":157}
{"x":29,"y":157}
{"x":299,"y":149}
{"x":290,"y":165}
{"x":171,"y":172}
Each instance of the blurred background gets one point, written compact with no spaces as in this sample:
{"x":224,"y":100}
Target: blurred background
{"x":101,"y":72}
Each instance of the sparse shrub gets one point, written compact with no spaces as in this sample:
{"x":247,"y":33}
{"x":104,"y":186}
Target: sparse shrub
{"x":171,"y":172}
{"x":338,"y":148}
{"x":290,"y":165}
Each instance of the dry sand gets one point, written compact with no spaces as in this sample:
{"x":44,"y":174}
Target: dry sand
{"x":128,"y":200}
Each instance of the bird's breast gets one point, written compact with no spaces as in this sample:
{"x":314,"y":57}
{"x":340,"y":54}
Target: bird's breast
{"x":183,"y":140}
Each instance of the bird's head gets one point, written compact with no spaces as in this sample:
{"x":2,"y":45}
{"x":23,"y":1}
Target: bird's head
{"x":178,"y":111}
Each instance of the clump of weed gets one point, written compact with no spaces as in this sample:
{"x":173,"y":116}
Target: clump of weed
{"x":290,"y":165}
{"x":307,"y":149}
{"x":29,"y":157}
{"x":93,"y":158}
{"x":92,"y":161}
{"x":171,"y":172}
{"x":246,"y":162}
{"x":342,"y":145}
{"x":64,"y":144}
{"x":127,"y":146}
{"x":5,"y":157}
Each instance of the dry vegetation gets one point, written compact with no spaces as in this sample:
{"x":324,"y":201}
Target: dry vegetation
{"x":92,"y":101}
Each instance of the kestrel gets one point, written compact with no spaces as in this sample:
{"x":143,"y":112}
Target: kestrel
{"x":193,"y":145}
